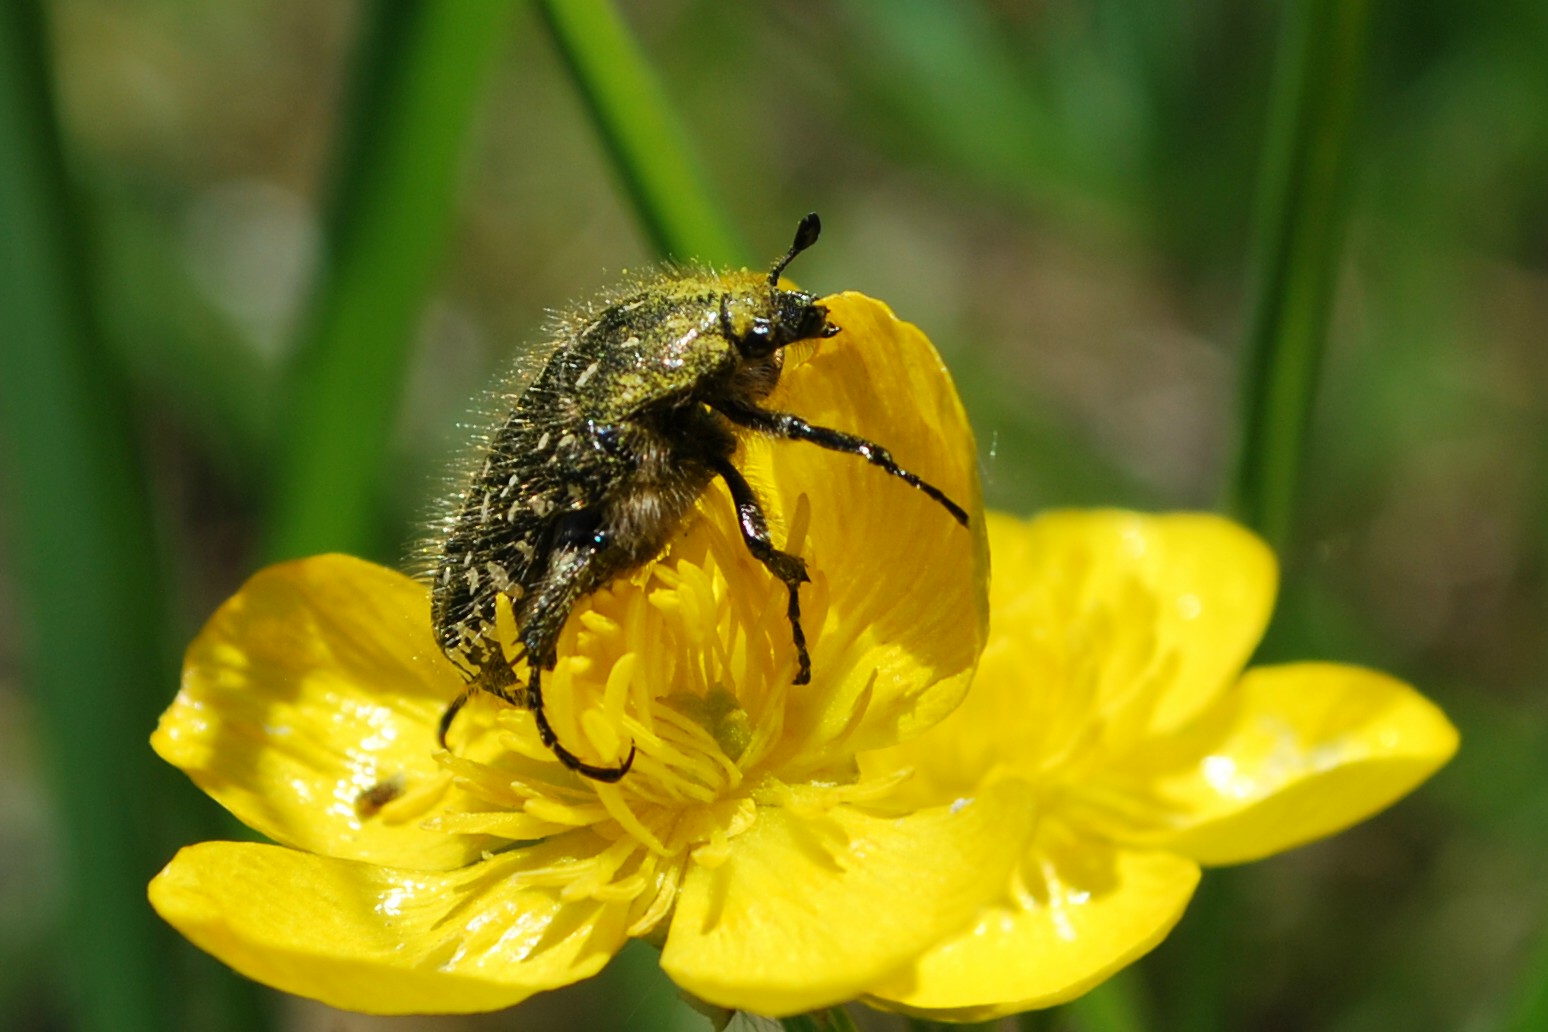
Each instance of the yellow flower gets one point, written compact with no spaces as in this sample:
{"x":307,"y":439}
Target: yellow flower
{"x":743,"y":840}
{"x":1110,"y":696}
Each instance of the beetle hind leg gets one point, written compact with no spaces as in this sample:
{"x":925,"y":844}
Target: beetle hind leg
{"x":607,"y":775}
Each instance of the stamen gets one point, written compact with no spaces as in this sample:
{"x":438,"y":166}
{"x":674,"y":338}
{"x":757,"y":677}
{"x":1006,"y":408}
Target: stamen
{"x":665,"y":785}
{"x":813,"y":799}
{"x":513,"y":825}
{"x":482,"y":780}
{"x":621,"y":891}
{"x":714,"y":852}
{"x":668,"y":879}
{"x":701,"y":745}
{"x":800,"y":523}
{"x":616,"y":692}
{"x":612,"y":797}
{"x":594,"y":884}
{"x":571,"y":815}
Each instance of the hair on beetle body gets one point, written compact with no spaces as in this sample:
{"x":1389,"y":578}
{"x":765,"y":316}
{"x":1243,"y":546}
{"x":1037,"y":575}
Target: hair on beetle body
{"x":636,"y":408}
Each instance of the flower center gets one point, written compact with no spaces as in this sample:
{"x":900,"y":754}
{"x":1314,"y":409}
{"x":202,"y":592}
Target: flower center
{"x":721,"y":714}
{"x":690,"y":659}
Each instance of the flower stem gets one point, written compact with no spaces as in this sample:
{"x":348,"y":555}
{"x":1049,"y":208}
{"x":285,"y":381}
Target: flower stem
{"x":419,"y":75}
{"x":648,"y":144}
{"x":1302,"y":193}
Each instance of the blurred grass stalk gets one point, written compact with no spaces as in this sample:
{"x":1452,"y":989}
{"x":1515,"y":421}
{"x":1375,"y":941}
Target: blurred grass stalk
{"x":83,"y":554}
{"x":646,"y":141}
{"x":1302,"y":208}
{"x":418,"y":78}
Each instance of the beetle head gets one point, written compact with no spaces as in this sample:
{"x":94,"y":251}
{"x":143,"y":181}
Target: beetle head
{"x":792,"y":315}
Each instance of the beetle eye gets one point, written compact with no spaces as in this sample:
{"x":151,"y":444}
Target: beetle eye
{"x":758,"y":342}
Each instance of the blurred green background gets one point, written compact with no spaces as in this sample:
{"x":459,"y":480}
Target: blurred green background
{"x":256,"y":258}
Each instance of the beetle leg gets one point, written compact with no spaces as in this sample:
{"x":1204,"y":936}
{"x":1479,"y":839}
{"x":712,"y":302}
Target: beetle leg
{"x":492,"y":674}
{"x":787,"y":567}
{"x":794,"y":428}
{"x":451,"y":712}
{"x":551,"y":740}
{"x":542,"y":618}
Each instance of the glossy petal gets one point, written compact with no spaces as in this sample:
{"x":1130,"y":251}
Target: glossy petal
{"x":1294,"y":753}
{"x":1152,"y":617}
{"x":385,"y":941}
{"x":811,"y":911}
{"x":312,"y":687}
{"x":1088,"y":909}
{"x":1106,"y":627}
{"x":897,"y":608}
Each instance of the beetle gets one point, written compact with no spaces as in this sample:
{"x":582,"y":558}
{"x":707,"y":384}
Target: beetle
{"x":637,"y":408}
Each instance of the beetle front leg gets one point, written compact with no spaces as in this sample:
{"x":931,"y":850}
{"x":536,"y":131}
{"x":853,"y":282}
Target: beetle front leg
{"x":794,"y":428}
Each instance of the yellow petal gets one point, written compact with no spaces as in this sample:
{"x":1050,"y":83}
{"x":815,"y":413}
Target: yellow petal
{"x":1170,"y":604}
{"x":385,"y":941}
{"x":807,"y":913}
{"x":897,"y":609}
{"x":1107,"y":627}
{"x":308,"y":709}
{"x":1089,"y":910}
{"x":1294,"y":753}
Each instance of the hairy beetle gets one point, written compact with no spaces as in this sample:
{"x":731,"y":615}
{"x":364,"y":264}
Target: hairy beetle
{"x":637,"y":408}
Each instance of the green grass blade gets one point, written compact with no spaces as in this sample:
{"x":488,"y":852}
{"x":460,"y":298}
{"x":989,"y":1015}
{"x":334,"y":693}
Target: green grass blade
{"x":176,"y":347}
{"x":648,"y":145}
{"x":1320,"y":78}
{"x":421,"y":71}
{"x":948,"y":83}
{"x":83,"y":557}
{"x":1303,"y":187}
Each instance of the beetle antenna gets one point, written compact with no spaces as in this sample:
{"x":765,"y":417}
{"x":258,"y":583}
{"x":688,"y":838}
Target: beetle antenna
{"x":806,"y":235}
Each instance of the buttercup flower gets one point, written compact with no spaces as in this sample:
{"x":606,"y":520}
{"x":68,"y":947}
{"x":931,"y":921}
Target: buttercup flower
{"x":787,"y":847}
{"x":743,"y":841}
{"x":1110,"y":696}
